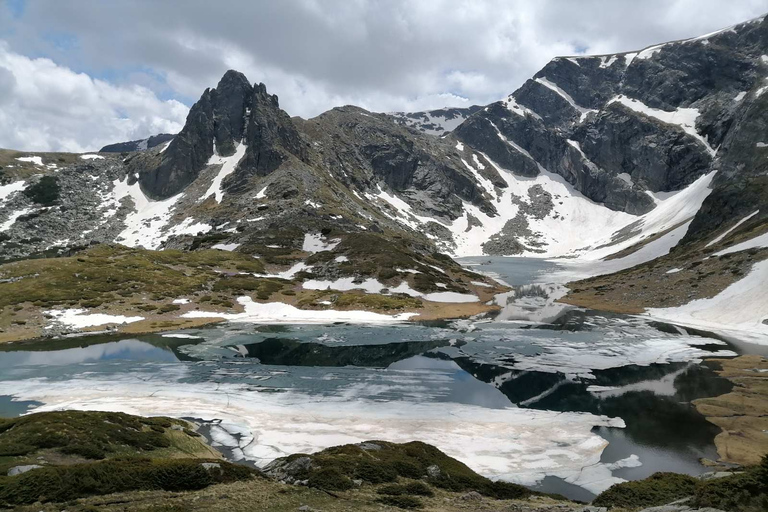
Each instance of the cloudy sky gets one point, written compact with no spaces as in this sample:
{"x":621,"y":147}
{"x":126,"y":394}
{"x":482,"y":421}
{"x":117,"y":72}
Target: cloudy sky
{"x":78,"y":74}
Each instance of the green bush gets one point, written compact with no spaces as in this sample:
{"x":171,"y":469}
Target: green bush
{"x":747,"y":491}
{"x":331,"y":479}
{"x":412,"y":489}
{"x":64,"y":483}
{"x":656,"y":490}
{"x":406,"y":502}
{"x":384,"y":462}
{"x":45,"y":192}
{"x":88,"y":434}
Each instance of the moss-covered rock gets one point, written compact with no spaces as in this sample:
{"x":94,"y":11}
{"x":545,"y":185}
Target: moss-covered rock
{"x":658,"y":489}
{"x":378,"y":462}
{"x":745,"y":491}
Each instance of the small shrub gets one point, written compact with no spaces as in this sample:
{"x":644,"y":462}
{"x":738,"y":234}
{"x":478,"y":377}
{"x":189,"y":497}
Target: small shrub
{"x":656,"y":490}
{"x":405,"y":502}
{"x":45,"y":192}
{"x":412,"y":489}
{"x":330,"y":479}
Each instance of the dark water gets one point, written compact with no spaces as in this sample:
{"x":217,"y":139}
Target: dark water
{"x":575,"y":361}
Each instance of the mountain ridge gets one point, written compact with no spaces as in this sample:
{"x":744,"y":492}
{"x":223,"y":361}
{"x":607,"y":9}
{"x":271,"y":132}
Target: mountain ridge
{"x":599,"y":158}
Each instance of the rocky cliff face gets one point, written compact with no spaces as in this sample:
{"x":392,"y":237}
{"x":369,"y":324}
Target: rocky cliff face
{"x":618,"y":127}
{"x":590,"y":153}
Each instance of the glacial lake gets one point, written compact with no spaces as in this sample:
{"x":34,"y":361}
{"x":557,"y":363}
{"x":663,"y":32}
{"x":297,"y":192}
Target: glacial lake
{"x":567,"y":400}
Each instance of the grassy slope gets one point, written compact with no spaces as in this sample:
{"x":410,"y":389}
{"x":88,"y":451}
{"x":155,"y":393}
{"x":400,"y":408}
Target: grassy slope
{"x":92,"y":453}
{"x":127,"y":462}
{"x":649,"y":285}
{"x":137,"y":282}
{"x":746,"y":491}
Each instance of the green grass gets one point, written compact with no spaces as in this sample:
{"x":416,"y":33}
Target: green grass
{"x":415,"y":488}
{"x":91,"y":435}
{"x":404,"y":502}
{"x":335,"y":468}
{"x":264,"y":287}
{"x":105,"y":273}
{"x":65,"y":483}
{"x":361,"y":299}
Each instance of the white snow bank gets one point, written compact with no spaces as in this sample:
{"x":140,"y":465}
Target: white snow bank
{"x":5,"y":226}
{"x":7,"y":190}
{"x":180,"y":301}
{"x":672,"y":209}
{"x":759,"y":241}
{"x":288,"y":274}
{"x":78,"y":318}
{"x":225,"y":247}
{"x":277,"y":312}
{"x":91,"y":157}
{"x":741,"y":308}
{"x":313,"y":242}
{"x":228,"y":166}
{"x":732,"y":228}
{"x":31,"y":159}
{"x":372,"y":285}
{"x":143,"y":227}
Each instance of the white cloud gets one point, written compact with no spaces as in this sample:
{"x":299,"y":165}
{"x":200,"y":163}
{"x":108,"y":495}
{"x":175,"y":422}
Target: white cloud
{"x":48,"y":107}
{"x":317,"y":54}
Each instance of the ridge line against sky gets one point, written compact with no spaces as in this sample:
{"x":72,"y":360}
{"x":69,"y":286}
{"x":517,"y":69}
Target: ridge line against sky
{"x":80,"y":74}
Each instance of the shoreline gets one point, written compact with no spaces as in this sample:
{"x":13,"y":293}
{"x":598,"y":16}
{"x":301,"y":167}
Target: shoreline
{"x":741,"y":414}
{"x":431,"y":311}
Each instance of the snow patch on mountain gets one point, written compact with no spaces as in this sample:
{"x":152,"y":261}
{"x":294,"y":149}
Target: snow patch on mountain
{"x":7,"y":190}
{"x":685,"y":118}
{"x":228,"y":166}
{"x":31,"y":159}
{"x":434,"y":122}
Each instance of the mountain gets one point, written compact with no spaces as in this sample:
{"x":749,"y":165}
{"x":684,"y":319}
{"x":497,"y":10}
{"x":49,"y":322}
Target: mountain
{"x":137,"y":145}
{"x":646,"y":160}
{"x":435,"y":122}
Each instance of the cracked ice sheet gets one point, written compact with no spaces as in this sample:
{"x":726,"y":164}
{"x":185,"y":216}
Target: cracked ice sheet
{"x":581,"y":357}
{"x":518,"y":445}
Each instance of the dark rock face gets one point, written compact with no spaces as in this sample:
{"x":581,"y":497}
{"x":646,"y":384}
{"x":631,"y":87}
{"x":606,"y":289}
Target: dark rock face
{"x":270,"y":135}
{"x":564,"y":119}
{"x":370,"y":151}
{"x":658,"y":157}
{"x":138,"y":145}
{"x":233,"y":113}
{"x":741,"y":184}
{"x":231,"y":98}
{"x":186,"y":155}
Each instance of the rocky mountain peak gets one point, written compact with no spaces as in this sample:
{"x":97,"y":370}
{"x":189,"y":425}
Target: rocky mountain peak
{"x":233,"y":113}
{"x":231,"y":101}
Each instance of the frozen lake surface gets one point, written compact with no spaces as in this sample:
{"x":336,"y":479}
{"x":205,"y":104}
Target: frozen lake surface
{"x":543,"y":394}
